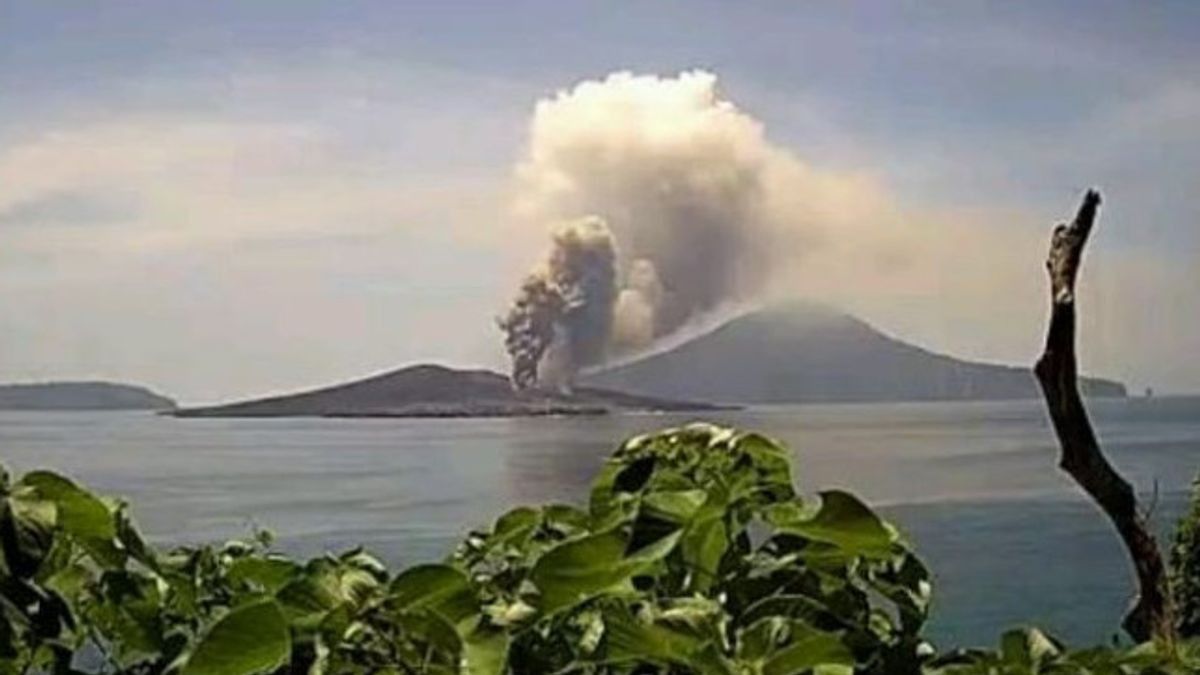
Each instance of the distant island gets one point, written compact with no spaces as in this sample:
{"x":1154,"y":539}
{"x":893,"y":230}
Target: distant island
{"x":803,"y":353}
{"x":81,"y":396}
{"x":430,"y":390}
{"x":795,"y":353}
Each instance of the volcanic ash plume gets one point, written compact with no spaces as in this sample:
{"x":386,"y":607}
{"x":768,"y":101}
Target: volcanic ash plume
{"x":562,"y":316}
{"x":692,"y":211}
{"x":677,"y":175}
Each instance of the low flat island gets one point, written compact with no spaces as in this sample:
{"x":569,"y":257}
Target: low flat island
{"x":81,"y":396}
{"x":430,"y":390}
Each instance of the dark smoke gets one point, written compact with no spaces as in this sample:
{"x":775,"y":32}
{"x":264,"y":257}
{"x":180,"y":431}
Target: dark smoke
{"x":562,"y":316}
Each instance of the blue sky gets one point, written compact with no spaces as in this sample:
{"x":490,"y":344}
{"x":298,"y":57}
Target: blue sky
{"x":304,"y":191}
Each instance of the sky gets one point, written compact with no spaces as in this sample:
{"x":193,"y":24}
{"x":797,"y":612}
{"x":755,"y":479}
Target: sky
{"x":226,"y":199}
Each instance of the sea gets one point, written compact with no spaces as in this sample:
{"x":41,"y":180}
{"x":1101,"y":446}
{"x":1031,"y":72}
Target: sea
{"x":975,"y":486}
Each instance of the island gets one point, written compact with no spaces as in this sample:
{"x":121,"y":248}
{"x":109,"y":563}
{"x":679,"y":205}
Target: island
{"x":430,"y":390}
{"x":81,"y":396}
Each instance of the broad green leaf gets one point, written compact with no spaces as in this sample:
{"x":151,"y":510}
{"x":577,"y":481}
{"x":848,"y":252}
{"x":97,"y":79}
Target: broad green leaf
{"x":437,"y":634}
{"x":309,"y":597}
{"x":577,"y":570}
{"x":515,"y":525}
{"x":704,"y":543}
{"x":68,"y":580}
{"x":845,"y":522}
{"x":270,"y":574}
{"x":441,"y":589}
{"x":80,"y":513}
{"x":808,"y":648}
{"x":26,"y":532}
{"x":628,"y":639}
{"x":251,"y":639}
{"x":675,"y":505}
{"x":780,"y":646}
{"x":485,"y":652}
{"x":565,"y":518}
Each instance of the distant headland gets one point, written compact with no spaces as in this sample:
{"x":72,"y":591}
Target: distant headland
{"x":81,"y":396}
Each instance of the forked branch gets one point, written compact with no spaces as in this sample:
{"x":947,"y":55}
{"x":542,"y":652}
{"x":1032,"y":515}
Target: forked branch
{"x":1152,"y":614}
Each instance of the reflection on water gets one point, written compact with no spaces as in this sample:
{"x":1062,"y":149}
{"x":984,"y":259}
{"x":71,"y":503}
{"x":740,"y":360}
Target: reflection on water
{"x":974,"y":484}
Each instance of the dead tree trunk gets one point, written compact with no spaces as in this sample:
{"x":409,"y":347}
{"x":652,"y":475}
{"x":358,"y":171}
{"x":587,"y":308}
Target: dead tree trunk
{"x":1151,"y":615}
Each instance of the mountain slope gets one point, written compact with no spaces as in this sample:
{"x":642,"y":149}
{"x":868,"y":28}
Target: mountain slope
{"x":801,"y":353}
{"x":437,"y":391}
{"x":80,"y":396}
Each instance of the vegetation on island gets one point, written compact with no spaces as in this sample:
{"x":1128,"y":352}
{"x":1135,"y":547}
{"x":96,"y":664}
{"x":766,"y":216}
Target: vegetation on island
{"x":694,"y":554}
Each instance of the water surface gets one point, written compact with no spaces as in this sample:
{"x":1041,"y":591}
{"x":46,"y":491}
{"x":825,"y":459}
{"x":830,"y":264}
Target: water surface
{"x":1009,"y":538}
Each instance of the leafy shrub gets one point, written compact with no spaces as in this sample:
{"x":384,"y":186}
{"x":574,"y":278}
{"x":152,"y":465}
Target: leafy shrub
{"x":1185,"y":567}
{"x":1032,"y":652}
{"x":694,"y":555}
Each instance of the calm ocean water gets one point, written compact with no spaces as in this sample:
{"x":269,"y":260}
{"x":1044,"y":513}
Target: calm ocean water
{"x":973,"y":484}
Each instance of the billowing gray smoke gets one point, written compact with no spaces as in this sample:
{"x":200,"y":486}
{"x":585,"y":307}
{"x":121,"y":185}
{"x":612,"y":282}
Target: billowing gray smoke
{"x":696,"y":208}
{"x":562,"y":315}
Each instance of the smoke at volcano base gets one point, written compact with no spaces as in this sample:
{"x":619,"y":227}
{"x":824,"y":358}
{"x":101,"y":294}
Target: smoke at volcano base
{"x":690,"y":209}
{"x":563,"y":311}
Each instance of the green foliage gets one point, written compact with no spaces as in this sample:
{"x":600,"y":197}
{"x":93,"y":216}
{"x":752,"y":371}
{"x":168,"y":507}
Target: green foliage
{"x":1185,"y":567}
{"x":694,"y":555}
{"x":251,"y":638}
{"x":1031,"y":652}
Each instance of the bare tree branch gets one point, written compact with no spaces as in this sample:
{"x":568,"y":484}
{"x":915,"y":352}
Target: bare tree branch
{"x":1152,"y":614}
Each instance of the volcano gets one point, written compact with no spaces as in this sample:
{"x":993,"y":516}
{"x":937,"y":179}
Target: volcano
{"x":801,"y":353}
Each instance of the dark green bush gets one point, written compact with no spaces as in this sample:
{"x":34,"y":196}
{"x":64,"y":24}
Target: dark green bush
{"x":694,"y":555}
{"x":1185,"y":567}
